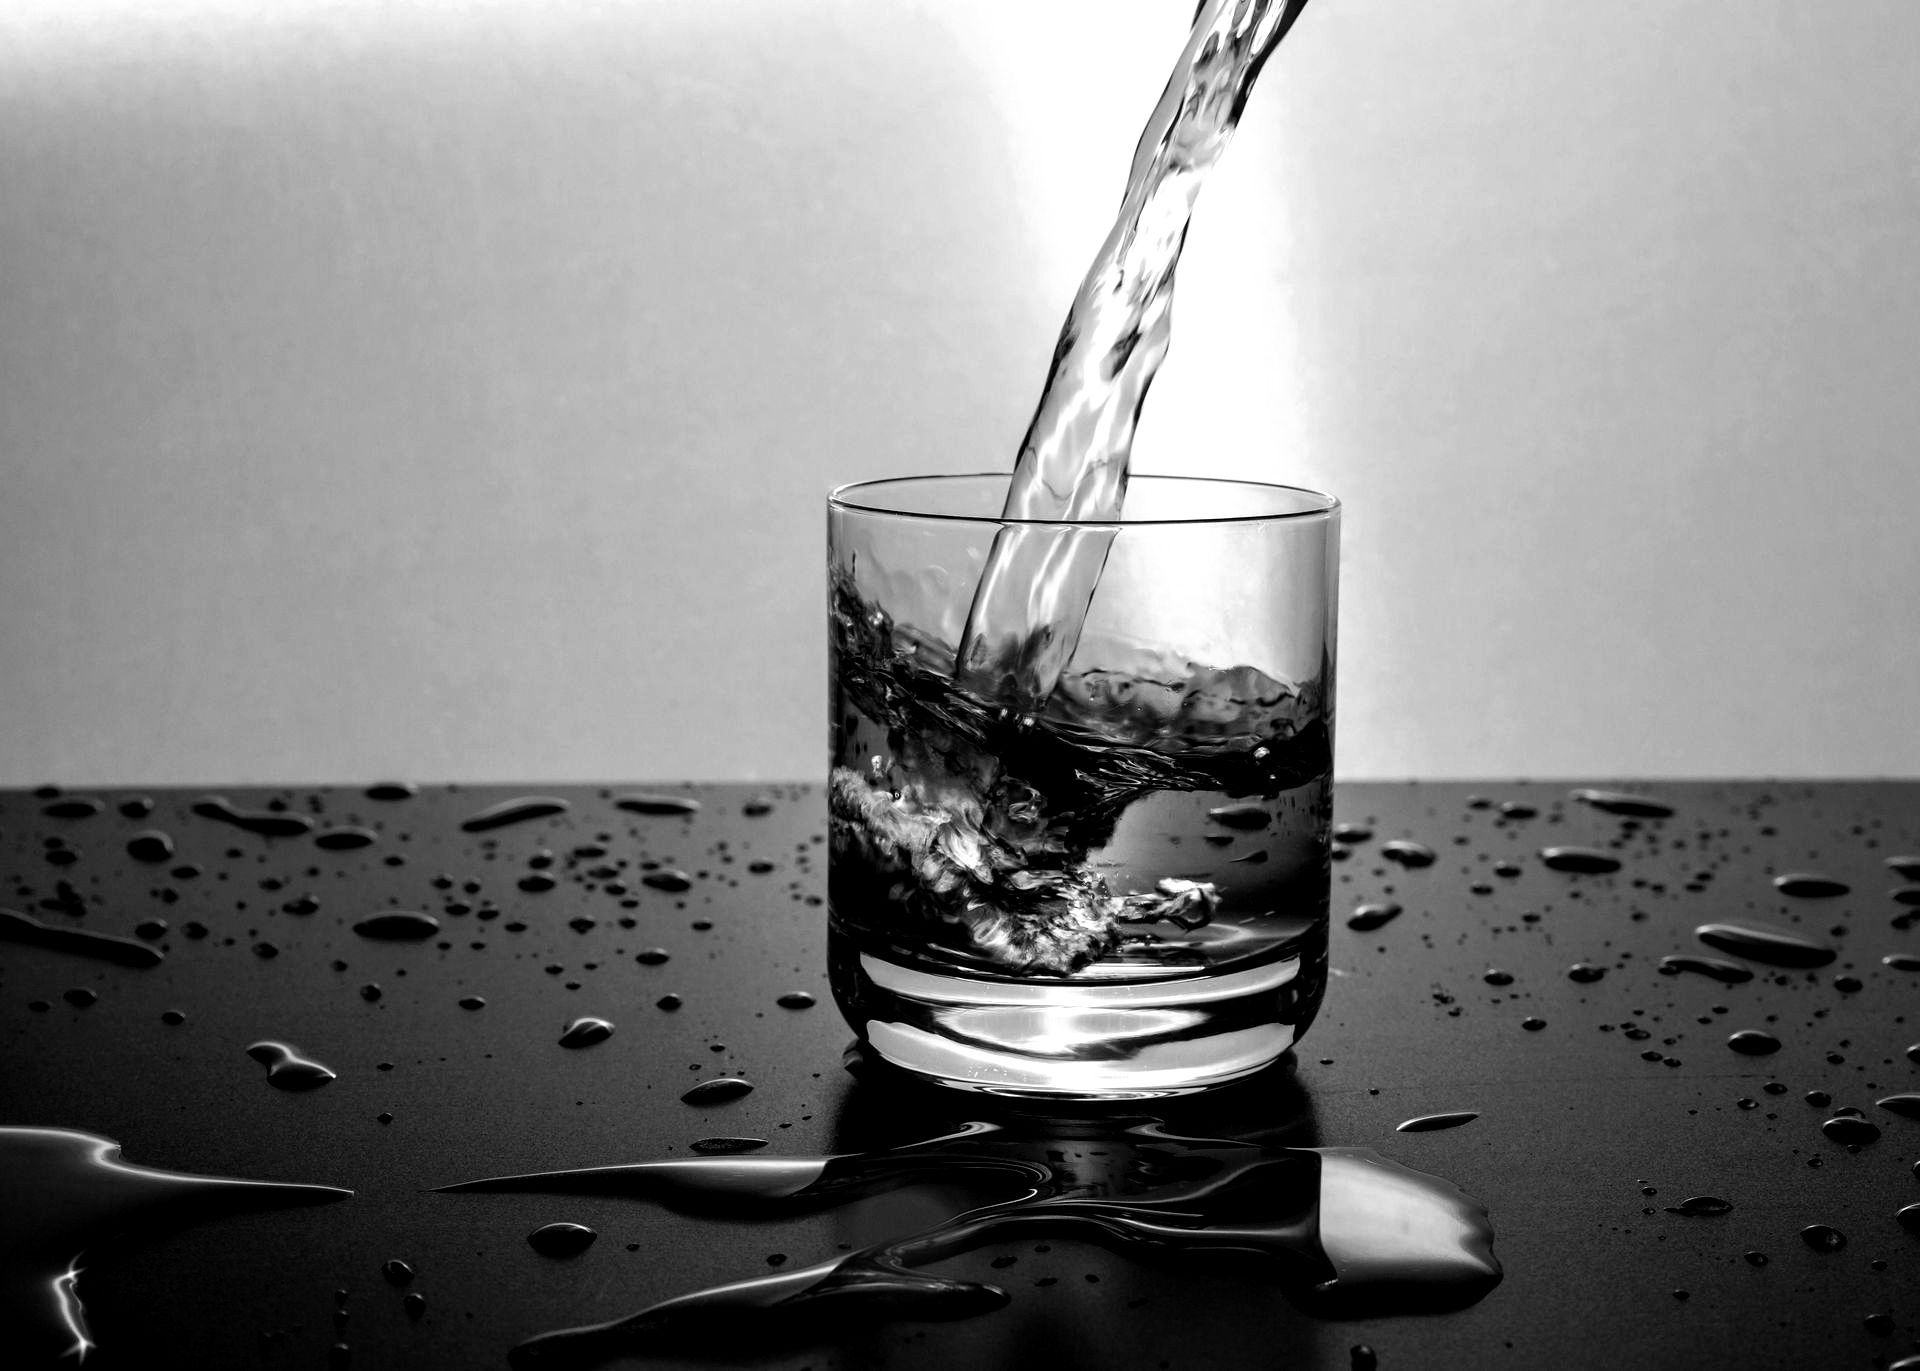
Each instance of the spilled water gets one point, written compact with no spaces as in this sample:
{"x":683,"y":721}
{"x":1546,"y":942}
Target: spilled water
{"x":62,"y":1193}
{"x":1346,"y":1230}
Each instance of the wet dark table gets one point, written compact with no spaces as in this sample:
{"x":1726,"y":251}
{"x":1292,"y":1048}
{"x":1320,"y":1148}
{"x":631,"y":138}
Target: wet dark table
{"x":1603,"y":1103}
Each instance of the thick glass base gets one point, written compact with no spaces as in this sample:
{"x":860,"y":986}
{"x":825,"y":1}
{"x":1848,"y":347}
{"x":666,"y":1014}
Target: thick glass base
{"x":1062,"y":1039}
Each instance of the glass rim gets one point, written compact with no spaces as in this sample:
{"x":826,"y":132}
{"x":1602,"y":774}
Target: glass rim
{"x":843,"y":497}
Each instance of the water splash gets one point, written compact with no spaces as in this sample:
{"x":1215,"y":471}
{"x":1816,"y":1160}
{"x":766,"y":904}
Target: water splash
{"x":1039,"y":578}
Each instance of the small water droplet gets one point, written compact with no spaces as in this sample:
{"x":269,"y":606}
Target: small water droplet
{"x":796,"y":999}
{"x":414,"y":1303}
{"x":1367,"y":917}
{"x":1351,"y":833}
{"x":585,"y":1032}
{"x":671,"y":881}
{"x":1533,"y":1025}
{"x":1586,"y":860}
{"x":397,"y":1272}
{"x":1756,"y":1258}
{"x":472,"y":1002}
{"x":1407,"y":853}
{"x":1585,"y":973}
{"x":1701,"y":1206}
{"x":392,"y":791}
{"x":1728,"y":973}
{"x":561,"y":1239}
{"x":1494,"y":976}
{"x":1823,"y":1238}
{"x":345,"y":839}
{"x":720,"y":1090}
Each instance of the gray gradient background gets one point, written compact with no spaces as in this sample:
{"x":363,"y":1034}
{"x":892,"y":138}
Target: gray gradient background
{"x":450,"y":390}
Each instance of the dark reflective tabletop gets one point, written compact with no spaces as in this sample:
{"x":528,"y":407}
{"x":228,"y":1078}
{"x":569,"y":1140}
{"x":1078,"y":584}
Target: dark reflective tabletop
{"x":1607,"y":1096}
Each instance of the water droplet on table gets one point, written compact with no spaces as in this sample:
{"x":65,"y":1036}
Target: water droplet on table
{"x":1407,"y":853}
{"x":1823,"y":1238}
{"x":397,"y":1272}
{"x":585,"y":1032}
{"x":1809,"y":885}
{"x":1625,"y":804}
{"x":398,"y":926}
{"x":267,"y":823}
{"x":1772,"y":946}
{"x":1586,"y":860}
{"x":1752,"y":1042}
{"x":150,"y":846}
{"x":561,"y":1239}
{"x":1429,"y":1123}
{"x":728,"y":1146}
{"x":1701,"y":1206}
{"x":287,"y":1069}
{"x":1727,"y":973}
{"x":346,"y":839}
{"x":16,"y":927}
{"x":1907,"y":1106}
{"x":795,"y":999}
{"x":664,"y":805}
{"x":670,"y":881}
{"x":721,"y":1090}
{"x":514,"y":811}
{"x":1367,"y":917}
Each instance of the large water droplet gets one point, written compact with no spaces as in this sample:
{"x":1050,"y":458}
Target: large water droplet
{"x":1587,"y":860}
{"x":1774,"y":947}
{"x":1728,"y":973}
{"x":561,"y":1239}
{"x":1808,"y":885}
{"x":398,"y":926}
{"x":268,"y":823}
{"x":287,"y":1069}
{"x":1429,"y":1123}
{"x":720,"y":1090}
{"x":1622,"y":803}
{"x":16,"y":927}
{"x":658,"y":804}
{"x":585,"y":1032}
{"x":1752,"y":1042}
{"x":514,"y":811}
{"x":1407,"y":853}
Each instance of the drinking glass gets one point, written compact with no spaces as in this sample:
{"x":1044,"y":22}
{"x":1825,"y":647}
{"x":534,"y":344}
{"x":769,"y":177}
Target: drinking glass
{"x":1116,"y":888}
